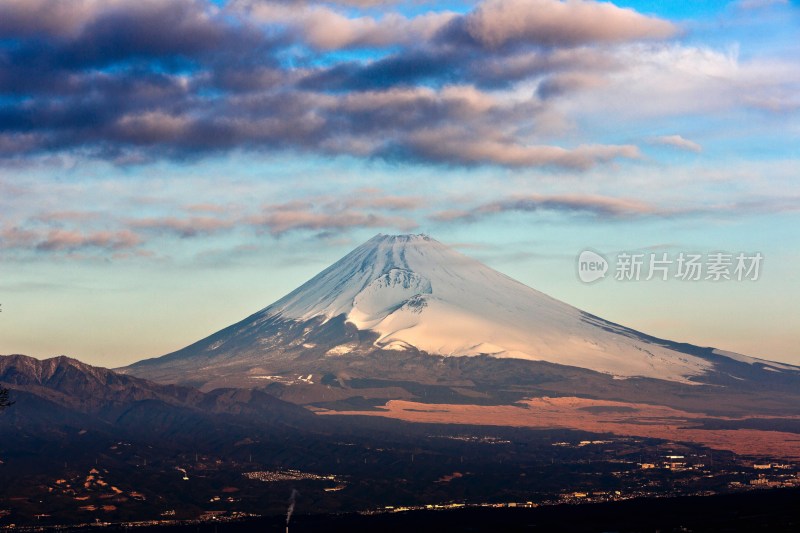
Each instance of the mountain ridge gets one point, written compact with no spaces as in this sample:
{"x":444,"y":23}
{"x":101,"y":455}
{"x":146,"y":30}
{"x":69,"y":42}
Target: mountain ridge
{"x":105,"y":395}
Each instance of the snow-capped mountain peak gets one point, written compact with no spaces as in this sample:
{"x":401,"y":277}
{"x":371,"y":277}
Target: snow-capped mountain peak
{"x":387,"y":308}
{"x":414,"y":291}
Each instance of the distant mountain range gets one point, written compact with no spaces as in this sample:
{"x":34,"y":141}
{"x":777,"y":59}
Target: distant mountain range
{"x":63,"y":394}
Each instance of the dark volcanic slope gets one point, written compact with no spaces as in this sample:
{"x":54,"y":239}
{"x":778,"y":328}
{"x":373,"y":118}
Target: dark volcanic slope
{"x":293,"y":361}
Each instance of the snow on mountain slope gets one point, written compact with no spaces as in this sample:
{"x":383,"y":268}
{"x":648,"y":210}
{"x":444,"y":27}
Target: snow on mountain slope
{"x":413,"y":290}
{"x":769,"y":365}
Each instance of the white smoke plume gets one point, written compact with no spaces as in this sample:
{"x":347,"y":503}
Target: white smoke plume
{"x":291,"y":506}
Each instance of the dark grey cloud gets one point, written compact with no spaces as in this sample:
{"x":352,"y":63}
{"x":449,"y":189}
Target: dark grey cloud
{"x":403,"y":69}
{"x":436,"y":66}
{"x":89,"y":33}
{"x":133,"y":81}
{"x":567,"y":83}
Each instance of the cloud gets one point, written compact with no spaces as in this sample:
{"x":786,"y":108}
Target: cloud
{"x":363,"y":209}
{"x":207,"y":208}
{"x":668,"y":80}
{"x":676,"y":141}
{"x":330,"y":215}
{"x":602,"y":207}
{"x":58,"y":34}
{"x":17,"y":237}
{"x":327,"y":28}
{"x":184,"y":227}
{"x":115,"y":227}
{"x":137,"y":81}
{"x":448,"y":147}
{"x":568,"y":82}
{"x":324,"y":214}
{"x":372,"y":198}
{"x":59,"y":217}
{"x":760,"y":4}
{"x":492,"y":24}
{"x":760,"y":205}
{"x":283,"y":222}
{"x":74,"y":240}
{"x":45,"y":17}
{"x":67,"y":240}
{"x":496,"y":23}
{"x":609,"y":208}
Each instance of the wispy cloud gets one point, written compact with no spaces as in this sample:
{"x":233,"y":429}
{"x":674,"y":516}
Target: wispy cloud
{"x":460,"y":148}
{"x":123,"y":234}
{"x":760,"y":4}
{"x":615,"y":209}
{"x":329,"y":215}
{"x":56,"y":240}
{"x":75,"y":240}
{"x":676,"y":141}
{"x":594,"y":206}
{"x":280,"y":223}
{"x":184,"y":227}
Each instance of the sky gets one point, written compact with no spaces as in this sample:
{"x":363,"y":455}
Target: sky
{"x":168,"y":168}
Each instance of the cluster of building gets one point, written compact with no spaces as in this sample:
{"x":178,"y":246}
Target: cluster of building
{"x":772,"y":475}
{"x":93,"y":487}
{"x":581,"y":444}
{"x":446,"y":506}
{"x":472,"y":438}
{"x":671,"y":473}
{"x":271,"y":476}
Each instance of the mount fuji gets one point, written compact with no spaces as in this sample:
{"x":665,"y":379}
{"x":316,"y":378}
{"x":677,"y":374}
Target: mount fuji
{"x":407,"y":316}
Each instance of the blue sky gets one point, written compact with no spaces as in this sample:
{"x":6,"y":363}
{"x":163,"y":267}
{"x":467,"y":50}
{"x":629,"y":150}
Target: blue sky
{"x":169,"y":168}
